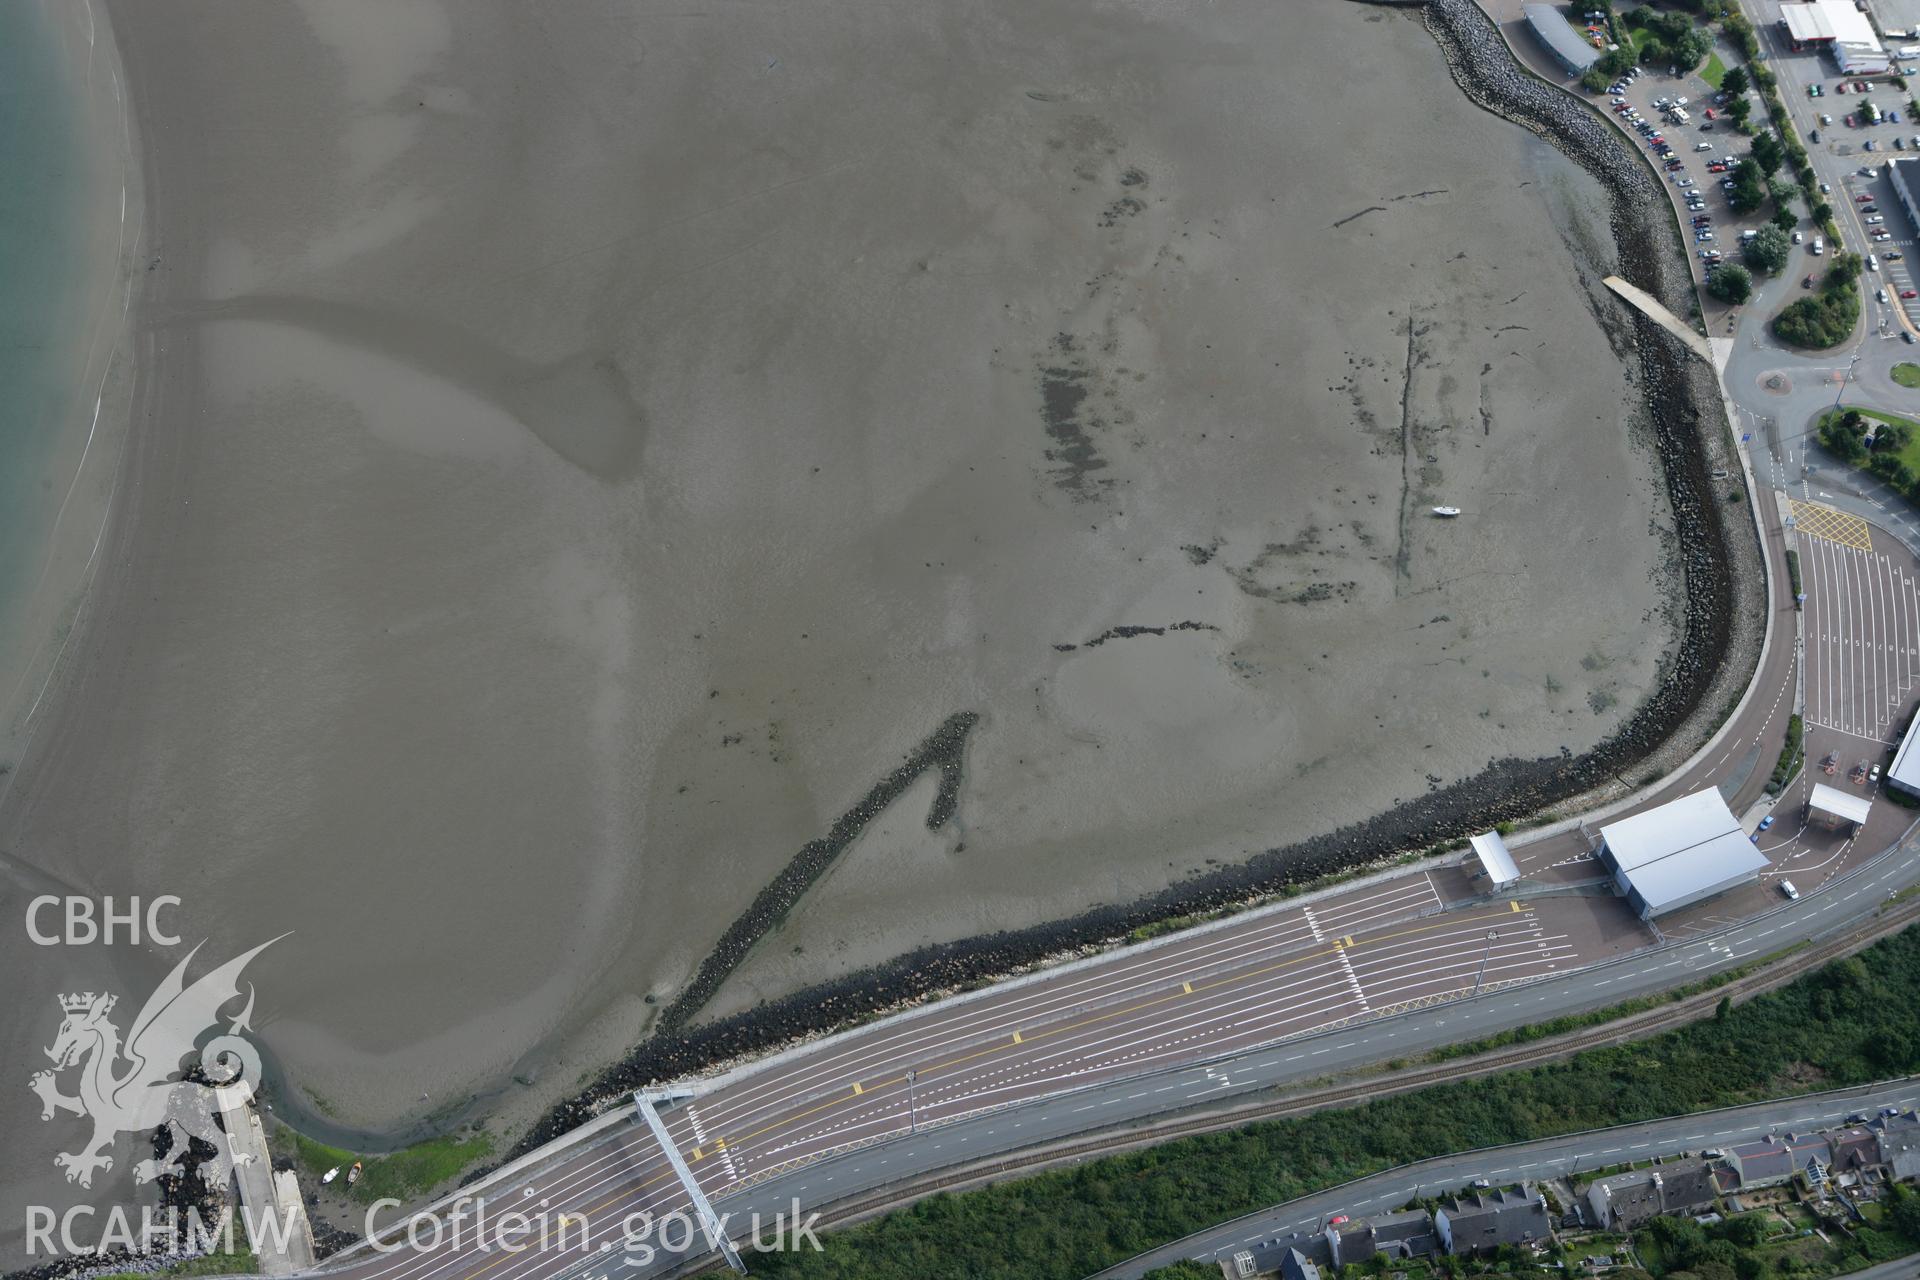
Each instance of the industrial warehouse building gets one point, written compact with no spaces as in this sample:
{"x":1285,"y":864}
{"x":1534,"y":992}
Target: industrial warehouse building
{"x":1562,"y":41}
{"x":1905,"y":773}
{"x":1678,"y":854}
{"x":1839,"y":28}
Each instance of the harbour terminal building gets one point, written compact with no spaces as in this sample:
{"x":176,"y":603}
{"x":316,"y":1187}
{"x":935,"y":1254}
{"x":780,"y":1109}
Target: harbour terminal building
{"x":1549,"y":23}
{"x":1680,"y":853}
{"x":1904,"y":776}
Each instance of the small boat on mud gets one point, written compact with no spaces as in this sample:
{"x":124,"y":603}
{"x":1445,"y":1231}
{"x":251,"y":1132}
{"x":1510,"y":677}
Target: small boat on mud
{"x":353,"y":1174}
{"x":1446,"y":513}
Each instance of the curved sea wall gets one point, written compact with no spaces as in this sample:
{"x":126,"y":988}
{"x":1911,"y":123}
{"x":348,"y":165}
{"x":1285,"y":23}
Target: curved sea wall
{"x":1718,"y":613}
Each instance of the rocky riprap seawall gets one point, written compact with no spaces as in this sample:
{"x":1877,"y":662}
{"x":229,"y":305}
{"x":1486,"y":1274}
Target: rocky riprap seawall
{"x":1718,"y":615}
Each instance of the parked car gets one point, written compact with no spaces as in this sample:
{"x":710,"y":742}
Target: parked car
{"x":1807,"y":283}
{"x":1867,"y":145}
{"x":1874,"y":220}
{"x":1869,"y":208}
{"x":1907,"y":293}
{"x":1796,"y":237}
{"x":1766,"y":822}
{"x":1894,"y":255}
{"x":1863,"y":199}
{"x":1786,"y":887}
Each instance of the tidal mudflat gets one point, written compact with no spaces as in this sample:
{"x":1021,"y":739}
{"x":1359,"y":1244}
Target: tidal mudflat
{"x":581,"y":450}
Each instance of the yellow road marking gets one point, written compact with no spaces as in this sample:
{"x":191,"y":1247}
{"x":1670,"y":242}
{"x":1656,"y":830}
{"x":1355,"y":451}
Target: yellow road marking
{"x":857,"y":1089}
{"x":698,"y":1153}
{"x":1817,"y":520}
{"x":1349,"y":939}
{"x":1514,"y":905}
{"x":1186,"y":988}
{"x":990,"y":1050}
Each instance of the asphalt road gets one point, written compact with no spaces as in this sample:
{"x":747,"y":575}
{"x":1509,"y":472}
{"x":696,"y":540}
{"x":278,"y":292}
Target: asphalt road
{"x":1532,"y":1161}
{"x":608,"y":1182}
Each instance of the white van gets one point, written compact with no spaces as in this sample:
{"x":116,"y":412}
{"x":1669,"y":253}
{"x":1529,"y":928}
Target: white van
{"x":1819,"y":246}
{"x":1677,"y":116}
{"x":1873,"y":263}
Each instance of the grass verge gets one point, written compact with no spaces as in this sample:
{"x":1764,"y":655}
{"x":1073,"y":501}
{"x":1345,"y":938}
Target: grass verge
{"x":1907,"y":374}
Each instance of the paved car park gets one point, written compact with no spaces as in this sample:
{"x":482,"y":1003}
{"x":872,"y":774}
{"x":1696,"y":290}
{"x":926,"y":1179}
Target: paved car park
{"x":1840,"y":157}
{"x":1691,"y":152}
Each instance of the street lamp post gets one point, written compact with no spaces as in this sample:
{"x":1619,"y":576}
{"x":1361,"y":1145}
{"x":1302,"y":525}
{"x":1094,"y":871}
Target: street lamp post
{"x":1845,"y":378}
{"x":1484,"y":957}
{"x":913,"y":1125}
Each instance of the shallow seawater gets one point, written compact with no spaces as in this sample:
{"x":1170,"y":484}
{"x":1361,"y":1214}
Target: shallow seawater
{"x":40,"y":272}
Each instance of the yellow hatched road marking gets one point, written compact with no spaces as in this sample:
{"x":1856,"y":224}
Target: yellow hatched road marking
{"x":1514,"y":905}
{"x":1016,"y":1037}
{"x":1186,"y":988}
{"x":1817,"y":520}
{"x":857,"y":1088}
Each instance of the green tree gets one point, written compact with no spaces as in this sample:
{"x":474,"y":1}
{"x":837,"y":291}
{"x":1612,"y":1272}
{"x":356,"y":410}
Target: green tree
{"x":1783,"y":192}
{"x":1739,"y":109}
{"x":1735,"y":82}
{"x":1785,"y":219}
{"x":1822,"y":214}
{"x":1595,"y":80}
{"x":1767,"y":153}
{"x":1731,"y":283}
{"x":1749,"y":188}
{"x":1903,"y":1212}
{"x":1769,"y":250}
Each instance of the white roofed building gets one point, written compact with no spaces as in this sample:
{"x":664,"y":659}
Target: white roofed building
{"x":1836,"y":808}
{"x":1679,"y":853}
{"x":1905,"y":773}
{"x":1495,"y":862}
{"x":1840,"y":28}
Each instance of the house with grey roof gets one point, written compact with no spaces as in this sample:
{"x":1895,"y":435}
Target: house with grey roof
{"x":1625,"y":1200}
{"x":1294,"y":1265}
{"x":1407,"y":1234}
{"x":1482,"y":1222}
{"x":1770,"y":1164}
{"x":1898,"y":1138}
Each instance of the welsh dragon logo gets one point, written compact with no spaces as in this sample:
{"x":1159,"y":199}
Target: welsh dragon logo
{"x":131,"y":1087}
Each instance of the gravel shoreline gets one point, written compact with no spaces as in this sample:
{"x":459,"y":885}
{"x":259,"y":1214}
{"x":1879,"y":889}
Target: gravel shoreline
{"x":1720,"y":618}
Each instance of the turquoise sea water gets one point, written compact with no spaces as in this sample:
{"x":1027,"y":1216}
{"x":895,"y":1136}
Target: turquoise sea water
{"x":42,"y":180}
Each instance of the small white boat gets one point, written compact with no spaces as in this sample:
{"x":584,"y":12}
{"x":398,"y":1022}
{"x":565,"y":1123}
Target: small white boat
{"x":1447,"y":512}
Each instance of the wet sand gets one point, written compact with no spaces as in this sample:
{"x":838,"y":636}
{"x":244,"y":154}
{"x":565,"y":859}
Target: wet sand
{"x":582,"y":451}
